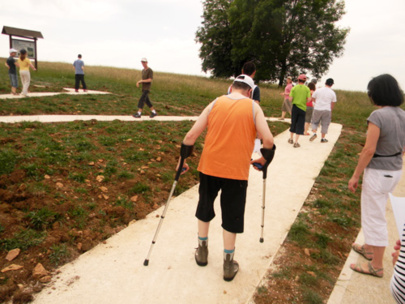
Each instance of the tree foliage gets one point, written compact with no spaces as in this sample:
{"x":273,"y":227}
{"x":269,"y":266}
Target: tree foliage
{"x":282,"y":37}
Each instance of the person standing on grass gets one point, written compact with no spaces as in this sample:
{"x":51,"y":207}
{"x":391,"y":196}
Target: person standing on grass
{"x":381,"y":162}
{"x":146,"y":81}
{"x":324,"y":99}
{"x":25,"y":64}
{"x":299,"y":95}
{"x":12,"y":71}
{"x":79,"y":73}
{"x":287,"y":106}
{"x":232,"y":122}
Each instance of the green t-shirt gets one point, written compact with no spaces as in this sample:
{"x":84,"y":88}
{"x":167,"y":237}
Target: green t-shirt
{"x":299,"y":94}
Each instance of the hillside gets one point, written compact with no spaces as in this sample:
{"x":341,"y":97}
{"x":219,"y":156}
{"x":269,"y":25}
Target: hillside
{"x":65,"y":187}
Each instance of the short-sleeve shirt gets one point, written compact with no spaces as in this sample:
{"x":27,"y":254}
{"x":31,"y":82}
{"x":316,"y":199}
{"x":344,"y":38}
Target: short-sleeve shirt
{"x":391,"y":122}
{"x":287,"y":90}
{"x":300,"y":93}
{"x":146,"y":74}
{"x":79,"y":64}
{"x":24,"y":64}
{"x":324,"y":98}
{"x":11,"y":64}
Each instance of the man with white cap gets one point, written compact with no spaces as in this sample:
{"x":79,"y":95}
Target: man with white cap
{"x":146,"y":81}
{"x":12,"y":71}
{"x":232,"y":122}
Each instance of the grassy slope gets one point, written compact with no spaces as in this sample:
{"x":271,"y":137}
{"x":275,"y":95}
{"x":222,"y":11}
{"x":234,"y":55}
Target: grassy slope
{"x":188,"y":95}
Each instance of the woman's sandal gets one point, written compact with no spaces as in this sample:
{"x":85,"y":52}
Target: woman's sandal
{"x":371,"y":270}
{"x":360,"y":250}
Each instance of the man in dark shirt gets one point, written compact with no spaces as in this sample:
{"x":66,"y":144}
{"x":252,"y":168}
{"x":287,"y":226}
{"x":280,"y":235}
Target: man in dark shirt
{"x":147,"y":76}
{"x":12,"y":71}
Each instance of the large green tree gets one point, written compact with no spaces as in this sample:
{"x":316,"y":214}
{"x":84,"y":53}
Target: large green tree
{"x":282,"y":37}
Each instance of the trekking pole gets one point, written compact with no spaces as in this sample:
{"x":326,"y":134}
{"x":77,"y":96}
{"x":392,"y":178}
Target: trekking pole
{"x":185,"y":151}
{"x":268,"y":154}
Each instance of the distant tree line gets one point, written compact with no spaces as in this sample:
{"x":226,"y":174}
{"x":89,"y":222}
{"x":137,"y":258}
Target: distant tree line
{"x":282,"y":37}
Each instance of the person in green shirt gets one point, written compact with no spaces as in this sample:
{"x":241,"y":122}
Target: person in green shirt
{"x":299,"y":95}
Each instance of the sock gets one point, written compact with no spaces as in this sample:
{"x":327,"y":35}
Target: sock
{"x":229,"y":251}
{"x":139,"y":113}
{"x":154,"y":111}
{"x":201,"y":240}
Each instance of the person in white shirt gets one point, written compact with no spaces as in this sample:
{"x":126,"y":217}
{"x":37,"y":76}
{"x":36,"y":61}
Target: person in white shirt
{"x":324,"y":100}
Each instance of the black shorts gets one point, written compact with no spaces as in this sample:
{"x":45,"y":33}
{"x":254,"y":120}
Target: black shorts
{"x":297,"y":121}
{"x":233,"y":200}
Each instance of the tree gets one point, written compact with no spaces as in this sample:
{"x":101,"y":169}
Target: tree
{"x":215,"y":38}
{"x":282,"y":37}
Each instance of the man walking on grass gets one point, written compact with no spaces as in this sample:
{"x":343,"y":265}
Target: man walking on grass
{"x":146,"y":81}
{"x":232,"y":122}
{"x":325,"y":99}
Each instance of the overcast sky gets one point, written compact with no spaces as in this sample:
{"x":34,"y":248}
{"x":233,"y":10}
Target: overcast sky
{"x":120,"y":32}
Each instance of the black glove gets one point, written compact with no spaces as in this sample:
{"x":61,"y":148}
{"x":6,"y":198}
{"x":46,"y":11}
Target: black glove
{"x":268,"y":154}
{"x":185,"y":150}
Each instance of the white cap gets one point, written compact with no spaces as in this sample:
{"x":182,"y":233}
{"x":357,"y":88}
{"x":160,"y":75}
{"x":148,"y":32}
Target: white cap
{"x":245,"y":79}
{"x":144,"y":59}
{"x":13,"y":51}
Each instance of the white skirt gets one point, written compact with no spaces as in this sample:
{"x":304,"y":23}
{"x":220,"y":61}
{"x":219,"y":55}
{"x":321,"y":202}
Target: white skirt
{"x":374,"y":195}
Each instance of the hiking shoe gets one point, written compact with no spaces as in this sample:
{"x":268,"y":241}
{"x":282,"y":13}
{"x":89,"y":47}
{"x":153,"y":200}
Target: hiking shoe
{"x":231,"y":267}
{"x":137,"y":115}
{"x":324,"y":140}
{"x":153,"y":114}
{"x":201,"y":254}
{"x":296,"y":145}
{"x":290,"y":141}
{"x":312,"y":138}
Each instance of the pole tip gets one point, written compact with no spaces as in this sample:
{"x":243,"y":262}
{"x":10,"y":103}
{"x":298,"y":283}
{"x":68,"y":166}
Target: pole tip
{"x":261,"y":240}
{"x":146,"y":262}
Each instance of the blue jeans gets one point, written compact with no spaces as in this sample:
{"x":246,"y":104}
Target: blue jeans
{"x":13,"y":80}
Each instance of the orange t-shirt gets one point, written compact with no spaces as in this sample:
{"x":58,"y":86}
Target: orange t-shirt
{"x":229,"y":142}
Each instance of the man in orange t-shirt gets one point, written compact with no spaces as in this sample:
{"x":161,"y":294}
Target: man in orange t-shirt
{"x":232,"y":123}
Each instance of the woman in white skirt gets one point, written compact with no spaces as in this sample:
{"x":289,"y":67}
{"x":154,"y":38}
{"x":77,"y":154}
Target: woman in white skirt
{"x":24,"y":64}
{"x":381,"y":162}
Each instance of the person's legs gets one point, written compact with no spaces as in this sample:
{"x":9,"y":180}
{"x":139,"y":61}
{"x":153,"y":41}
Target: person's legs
{"x":77,"y":82}
{"x":208,"y":191}
{"x":293,"y":127}
{"x":300,"y":124}
{"x":14,"y":83}
{"x":233,"y":201}
{"x":149,"y":104}
{"x":325,"y":122}
{"x":83,"y":83}
{"x":141,"y":104}
{"x":375,"y":188}
{"x":25,"y":80}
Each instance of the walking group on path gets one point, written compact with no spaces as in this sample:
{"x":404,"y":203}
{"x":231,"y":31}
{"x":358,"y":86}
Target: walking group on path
{"x":226,"y":158}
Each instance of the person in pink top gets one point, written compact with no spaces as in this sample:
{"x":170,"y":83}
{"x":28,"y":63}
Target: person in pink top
{"x":287,"y":104}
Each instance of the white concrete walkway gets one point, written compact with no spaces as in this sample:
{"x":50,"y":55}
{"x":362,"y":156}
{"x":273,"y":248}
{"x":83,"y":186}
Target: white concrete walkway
{"x":114,"y":272}
{"x":68,"y":91}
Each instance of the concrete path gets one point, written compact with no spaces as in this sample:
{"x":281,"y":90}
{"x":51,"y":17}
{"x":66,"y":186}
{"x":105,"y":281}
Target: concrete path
{"x":114,"y":272}
{"x":69,"y":91}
